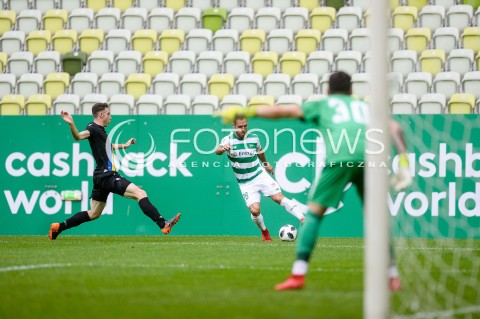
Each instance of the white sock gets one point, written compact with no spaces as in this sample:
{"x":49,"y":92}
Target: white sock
{"x":292,"y":208}
{"x":258,"y":220}
{"x":392,"y":271}
{"x":300,"y":267}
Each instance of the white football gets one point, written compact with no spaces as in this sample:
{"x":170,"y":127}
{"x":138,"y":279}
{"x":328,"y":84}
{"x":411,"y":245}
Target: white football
{"x":287,"y":233}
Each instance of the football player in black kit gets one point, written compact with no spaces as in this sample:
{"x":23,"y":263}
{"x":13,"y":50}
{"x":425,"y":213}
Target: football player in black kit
{"x":105,"y":178}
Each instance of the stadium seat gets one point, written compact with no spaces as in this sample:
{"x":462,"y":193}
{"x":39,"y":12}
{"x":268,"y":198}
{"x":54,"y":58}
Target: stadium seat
{"x":296,"y":19}
{"x":121,"y":104}
{"x":418,"y":39}
{"x":70,"y":5}
{"x":205,"y":105}
{"x":199,"y":40}
{"x":193,"y":84}
{"x":446,"y":39}
{"x":80,"y":19}
{"x":38,"y":104}
{"x":64,"y":41}
{"x":292,"y":62}
{"x":66,"y":102}
{"x":277,"y":85}
{"x":38,"y":41}
{"x":20,"y":63}
{"x":395,"y":39}
{"x":474,"y":3}
{"x":316,"y":97}
{"x":12,"y":104}
{"x":91,"y":40}
{"x":56,"y":84}
{"x":307,"y":40}
{"x":201,"y":4}
{"x":214,"y":18}
{"x":249,"y":84}
{"x":74,"y":62}
{"x":166,"y":84}
{"x":171,"y":40}
{"x":8,"y":19}
{"x":177,"y":104}
{"x":30,"y":84}
{"x":310,"y":4}
{"x":478,"y":60}
{"x":281,"y":4}
{"x":261,"y":100}
{"x":471,"y":38}
{"x":123,"y":5}
{"x":84,"y":83}
{"x":320,"y":62}
{"x":96,"y":5}
{"x":432,"y":103}
{"x":228,"y":5}
{"x":7,"y":84}
{"x":150,"y":4}
{"x":361,"y":85}
{"x":29,"y":20}
{"x":394,"y":83}
{"x":280,"y":40}
{"x":3,"y":61}
{"x":12,"y":41}
{"x":418,"y":84}
{"x":403,"y":104}
{"x":349,"y":18}
{"x":431,"y":17}
{"x":111,"y":83}
{"x":117,"y":41}
{"x":323,"y":18}
{"x":348,"y":61}
{"x":446,"y":83}
{"x":264,"y":62}
{"x":55,"y":20}
{"x":459,"y":16}
{"x":305,"y":85}
{"x":149,"y":104}
{"x":182,"y":62}
{"x":241,"y":19}
{"x":362,"y":4}
{"x":134,"y":19}
{"x":128,"y":62}
{"x":460,"y":60}
{"x":237,"y":63}
{"x":138,"y":84}
{"x":405,"y":17}
{"x":209,"y":62}
{"x":444,"y":3}
{"x":221,"y":85}
{"x":419,"y":4}
{"x":252,"y":40}
{"x":256,"y":4}
{"x":160,"y":19}
{"x":268,"y":19}
{"x":89,"y":100}
{"x":335,"y":40}
{"x":360,"y":40}
{"x":100,"y":62}
{"x":144,"y":40}
{"x":154,"y":62}
{"x":471,"y":83}
{"x":289,"y":99}
{"x":188,"y":19}
{"x":233,"y":101}
{"x":461,"y":103}
{"x":477,"y":17}
{"x":175,"y":4}
{"x":337,"y":4}
{"x":432,"y":61}
{"x":107,"y":19}
{"x":404,"y":61}
{"x":225,"y":40}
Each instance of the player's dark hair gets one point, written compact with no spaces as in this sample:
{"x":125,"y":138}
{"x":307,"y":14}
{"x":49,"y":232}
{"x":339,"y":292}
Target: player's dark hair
{"x":98,"y":107}
{"x":238,"y":117}
{"x":340,"y":83}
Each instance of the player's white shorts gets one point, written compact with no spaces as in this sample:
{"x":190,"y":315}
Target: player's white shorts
{"x":263,"y":183}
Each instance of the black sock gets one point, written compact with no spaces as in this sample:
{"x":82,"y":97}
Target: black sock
{"x":75,"y":220}
{"x":150,"y":210}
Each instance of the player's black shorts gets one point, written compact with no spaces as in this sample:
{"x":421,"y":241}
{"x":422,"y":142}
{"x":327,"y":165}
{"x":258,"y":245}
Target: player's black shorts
{"x":106,"y":182}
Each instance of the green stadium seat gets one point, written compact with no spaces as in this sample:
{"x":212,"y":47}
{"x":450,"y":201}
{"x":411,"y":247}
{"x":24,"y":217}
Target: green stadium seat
{"x":474,"y":3}
{"x":73,"y":62}
{"x":337,"y":4}
{"x":214,"y":18}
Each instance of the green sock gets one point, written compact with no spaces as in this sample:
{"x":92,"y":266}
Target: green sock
{"x":308,"y":236}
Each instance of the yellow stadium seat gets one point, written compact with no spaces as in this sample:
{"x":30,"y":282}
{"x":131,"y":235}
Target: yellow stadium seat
{"x":394,"y":4}
{"x":221,"y":85}
{"x":38,"y":41}
{"x":96,"y":5}
{"x":307,"y":40}
{"x":419,"y":4}
{"x":123,"y":4}
{"x":252,"y":40}
{"x":175,"y":4}
{"x":432,"y":61}
{"x":55,"y":20}
{"x":461,"y":103}
{"x":56,"y":84}
{"x":323,"y":18}
{"x":12,"y":104}
{"x":261,"y":100}
{"x":137,"y":84}
{"x":38,"y":104}
{"x":471,"y":38}
{"x":405,"y":17}
{"x":7,"y":20}
{"x":292,"y":63}
{"x":154,"y":62}
{"x":91,"y":40}
{"x":64,"y":41}
{"x":3,"y":61}
{"x":418,"y":39}
{"x":144,"y":40}
{"x":309,"y":4}
{"x":265,"y":62}
{"x":171,"y":40}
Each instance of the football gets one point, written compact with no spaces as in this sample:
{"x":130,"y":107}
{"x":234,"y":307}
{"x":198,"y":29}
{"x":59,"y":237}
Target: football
{"x":287,"y":233}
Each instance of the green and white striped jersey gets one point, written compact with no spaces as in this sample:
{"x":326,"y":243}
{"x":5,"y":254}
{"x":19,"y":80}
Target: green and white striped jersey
{"x":243,"y":156}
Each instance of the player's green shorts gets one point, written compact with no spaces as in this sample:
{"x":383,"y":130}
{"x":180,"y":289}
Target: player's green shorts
{"x":328,"y":191}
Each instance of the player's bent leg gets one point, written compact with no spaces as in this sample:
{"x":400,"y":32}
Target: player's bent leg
{"x":257,"y":218}
{"x":289,"y":206}
{"x":77,"y":219}
{"x":96,"y":210}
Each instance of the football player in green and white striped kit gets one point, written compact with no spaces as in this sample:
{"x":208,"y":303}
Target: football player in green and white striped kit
{"x":250,"y":167}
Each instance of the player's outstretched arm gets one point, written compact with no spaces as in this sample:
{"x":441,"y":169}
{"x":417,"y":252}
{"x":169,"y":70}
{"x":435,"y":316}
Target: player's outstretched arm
{"x":123,"y":146}
{"x":76,"y":135}
{"x":270,"y":112}
{"x":403,"y":178}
